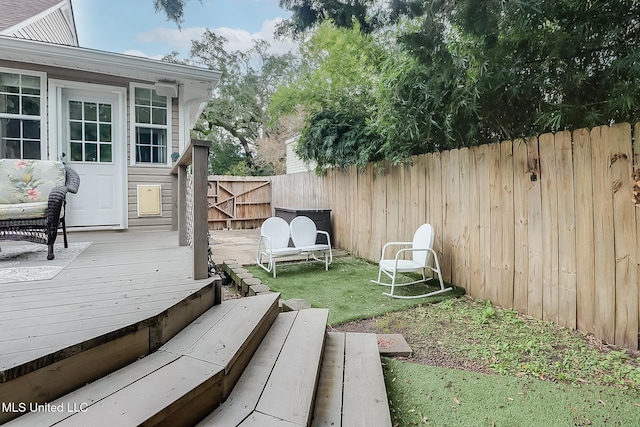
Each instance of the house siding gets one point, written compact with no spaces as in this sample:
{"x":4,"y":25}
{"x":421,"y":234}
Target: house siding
{"x":52,"y":28}
{"x":294,"y":163}
{"x":141,"y":175}
{"x":136,"y":174}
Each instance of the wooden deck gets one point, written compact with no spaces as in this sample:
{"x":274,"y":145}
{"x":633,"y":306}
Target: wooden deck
{"x":129,"y":290}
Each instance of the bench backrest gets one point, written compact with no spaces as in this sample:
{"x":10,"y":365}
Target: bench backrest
{"x":28,"y":181}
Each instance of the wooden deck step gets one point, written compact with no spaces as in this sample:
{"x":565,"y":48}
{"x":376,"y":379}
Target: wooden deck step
{"x":278,"y":386}
{"x":179,"y":384}
{"x":351,"y":389}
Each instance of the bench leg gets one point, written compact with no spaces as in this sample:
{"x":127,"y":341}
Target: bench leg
{"x":50,"y":255}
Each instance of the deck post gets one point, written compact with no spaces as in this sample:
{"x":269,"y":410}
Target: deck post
{"x":200,"y":162}
{"x":196,"y":156}
{"x":183,"y":239}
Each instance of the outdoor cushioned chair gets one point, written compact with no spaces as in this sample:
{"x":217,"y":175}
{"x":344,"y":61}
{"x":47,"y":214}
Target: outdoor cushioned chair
{"x":274,"y":243}
{"x":32,"y":200}
{"x":421,"y":253}
{"x":304,"y":234}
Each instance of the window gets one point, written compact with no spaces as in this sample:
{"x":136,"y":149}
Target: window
{"x":90,"y":130}
{"x":20,"y":115}
{"x":151,"y":121}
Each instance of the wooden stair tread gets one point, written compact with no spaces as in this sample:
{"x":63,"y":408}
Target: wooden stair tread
{"x":164,"y":386}
{"x":328,"y":409}
{"x":352,"y":392}
{"x":280,"y":381}
{"x":246,"y":393}
{"x":257,"y":419}
{"x":210,"y":338}
{"x":98,"y":390}
{"x":290,"y":392}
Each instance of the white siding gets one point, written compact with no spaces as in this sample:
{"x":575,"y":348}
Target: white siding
{"x":295,"y":163}
{"x":153,"y":175}
{"x":51,"y":28}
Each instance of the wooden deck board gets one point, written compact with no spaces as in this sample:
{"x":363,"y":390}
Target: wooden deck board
{"x":246,"y":393}
{"x":87,"y":297}
{"x":365,"y":398}
{"x":258,"y":419}
{"x":328,"y":409}
{"x":172,"y":387}
{"x":98,"y":390}
{"x":140,"y":400}
{"x":212,"y":340}
{"x":289,"y":394}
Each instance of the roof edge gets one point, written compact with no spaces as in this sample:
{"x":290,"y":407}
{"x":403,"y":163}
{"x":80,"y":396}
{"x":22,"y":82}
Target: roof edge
{"x":95,"y":60}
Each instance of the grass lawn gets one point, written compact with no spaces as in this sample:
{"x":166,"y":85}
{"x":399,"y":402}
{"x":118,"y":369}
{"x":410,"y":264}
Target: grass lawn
{"x":428,"y":395}
{"x":543,"y":375}
{"x":345,"y":289}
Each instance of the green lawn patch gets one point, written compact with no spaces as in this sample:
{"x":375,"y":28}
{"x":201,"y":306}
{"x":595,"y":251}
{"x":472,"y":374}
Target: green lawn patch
{"x":346,"y":289}
{"x":544,"y":375}
{"x":427,"y":395}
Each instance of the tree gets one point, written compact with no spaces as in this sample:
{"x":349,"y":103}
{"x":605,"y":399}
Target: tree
{"x":366,"y":14}
{"x":246,"y":85}
{"x":335,"y":88}
{"x":525,"y":67}
{"x":174,"y":9}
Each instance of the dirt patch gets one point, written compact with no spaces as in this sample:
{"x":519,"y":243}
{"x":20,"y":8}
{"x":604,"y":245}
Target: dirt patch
{"x":426,"y":349}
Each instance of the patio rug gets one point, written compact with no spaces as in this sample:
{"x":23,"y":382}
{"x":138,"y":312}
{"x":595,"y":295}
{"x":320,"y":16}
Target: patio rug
{"x":22,"y":262}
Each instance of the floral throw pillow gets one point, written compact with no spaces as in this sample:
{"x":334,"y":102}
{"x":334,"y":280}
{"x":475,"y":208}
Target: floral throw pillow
{"x":29,"y":181}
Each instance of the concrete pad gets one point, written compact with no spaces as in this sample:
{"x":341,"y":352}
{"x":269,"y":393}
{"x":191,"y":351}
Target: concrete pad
{"x":391,"y":345}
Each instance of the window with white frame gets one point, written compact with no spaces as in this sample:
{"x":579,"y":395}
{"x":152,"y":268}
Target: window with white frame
{"x":20,"y":116}
{"x":151,"y":127}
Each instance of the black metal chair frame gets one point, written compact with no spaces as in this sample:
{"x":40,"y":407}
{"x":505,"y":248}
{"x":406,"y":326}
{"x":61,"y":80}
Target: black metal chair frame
{"x":44,"y":230}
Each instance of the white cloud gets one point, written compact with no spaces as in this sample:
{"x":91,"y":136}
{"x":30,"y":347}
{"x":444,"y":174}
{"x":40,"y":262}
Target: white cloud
{"x":172,"y":39}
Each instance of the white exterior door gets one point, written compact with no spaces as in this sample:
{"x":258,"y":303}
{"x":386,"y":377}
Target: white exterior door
{"x":92,"y":141}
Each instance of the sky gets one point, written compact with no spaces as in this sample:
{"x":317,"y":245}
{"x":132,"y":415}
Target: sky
{"x":134,"y":27}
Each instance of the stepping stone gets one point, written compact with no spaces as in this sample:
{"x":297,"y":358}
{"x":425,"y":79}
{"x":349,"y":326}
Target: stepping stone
{"x":391,"y":345}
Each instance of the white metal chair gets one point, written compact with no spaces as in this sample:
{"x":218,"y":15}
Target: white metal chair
{"x":421,"y":251}
{"x":273,"y":243}
{"x":304,"y":234}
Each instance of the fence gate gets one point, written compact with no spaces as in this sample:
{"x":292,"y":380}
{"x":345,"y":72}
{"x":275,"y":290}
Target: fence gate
{"x":238,"y":202}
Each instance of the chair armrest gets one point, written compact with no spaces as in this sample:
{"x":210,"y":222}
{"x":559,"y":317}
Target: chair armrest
{"x":414,"y":250}
{"x":72,"y":180}
{"x":388,"y":244}
{"x":267,"y":242}
{"x":321,"y":232}
{"x":430,"y":250}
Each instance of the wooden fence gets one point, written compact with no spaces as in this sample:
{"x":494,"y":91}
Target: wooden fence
{"x":546,"y":226}
{"x":238,"y":202}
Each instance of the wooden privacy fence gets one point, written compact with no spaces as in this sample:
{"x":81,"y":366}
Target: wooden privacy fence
{"x":238,"y":202}
{"x":546,"y":226}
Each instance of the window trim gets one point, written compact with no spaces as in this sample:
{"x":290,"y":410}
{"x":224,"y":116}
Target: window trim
{"x":44,"y":144}
{"x":133,"y":125}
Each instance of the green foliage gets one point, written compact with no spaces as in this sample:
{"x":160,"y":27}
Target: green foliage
{"x":225,"y":158}
{"x":336,"y":88}
{"x":335,"y":138}
{"x":305,"y":14}
{"x":449,"y":74}
{"x":238,"y":111}
{"x":526,"y":67}
{"x":174,"y":9}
